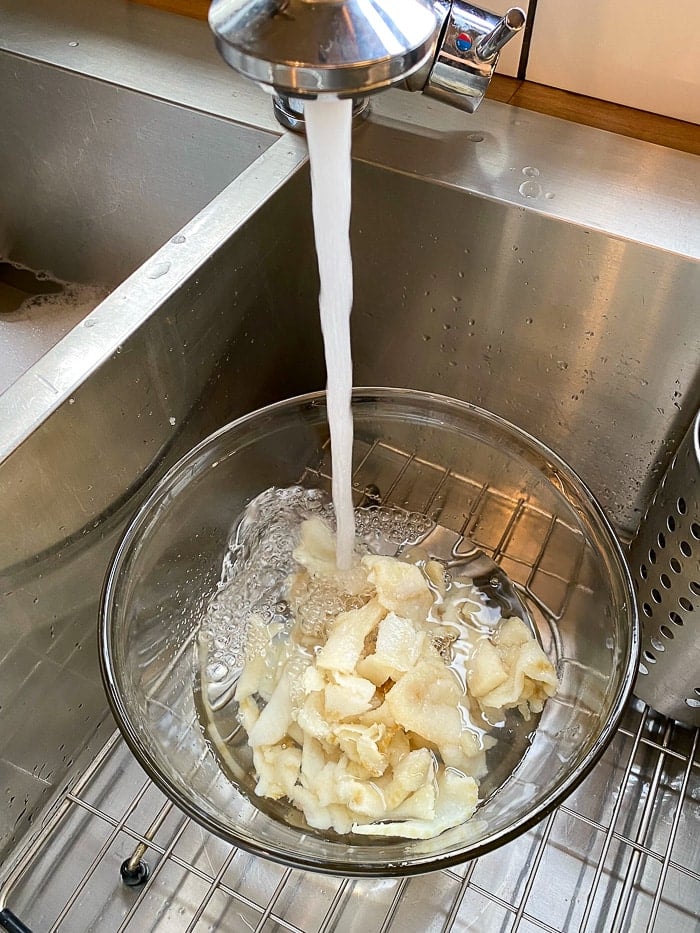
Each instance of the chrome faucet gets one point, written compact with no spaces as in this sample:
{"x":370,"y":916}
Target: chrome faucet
{"x":299,"y":49}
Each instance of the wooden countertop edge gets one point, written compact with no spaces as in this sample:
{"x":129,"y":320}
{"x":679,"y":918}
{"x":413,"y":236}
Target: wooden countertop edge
{"x":589,"y":111}
{"x":638,"y":124}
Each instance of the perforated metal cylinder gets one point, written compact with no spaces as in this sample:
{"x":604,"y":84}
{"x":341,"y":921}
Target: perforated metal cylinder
{"x":665,"y":563}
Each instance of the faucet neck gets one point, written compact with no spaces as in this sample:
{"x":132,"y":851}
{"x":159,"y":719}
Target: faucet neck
{"x":289,"y":111}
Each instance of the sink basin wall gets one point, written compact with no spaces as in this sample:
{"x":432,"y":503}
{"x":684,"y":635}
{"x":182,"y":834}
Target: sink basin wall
{"x":93,"y":179}
{"x":590,"y":342}
{"x":238,"y":333}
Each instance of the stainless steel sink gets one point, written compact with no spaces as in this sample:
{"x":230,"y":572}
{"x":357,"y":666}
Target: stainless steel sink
{"x":93,"y":179}
{"x":546,"y":271}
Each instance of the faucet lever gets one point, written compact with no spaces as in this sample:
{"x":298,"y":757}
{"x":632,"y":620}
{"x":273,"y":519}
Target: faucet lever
{"x":467,"y":54}
{"x":492,"y":43}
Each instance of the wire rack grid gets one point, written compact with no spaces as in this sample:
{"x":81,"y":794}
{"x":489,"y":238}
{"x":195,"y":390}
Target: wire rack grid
{"x":622,"y":854}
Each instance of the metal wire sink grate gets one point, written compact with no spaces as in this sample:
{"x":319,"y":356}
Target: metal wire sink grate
{"x":623,"y":853}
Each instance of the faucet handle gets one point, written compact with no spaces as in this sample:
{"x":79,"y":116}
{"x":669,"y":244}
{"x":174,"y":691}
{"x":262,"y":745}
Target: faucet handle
{"x":508,"y":26}
{"x":468,"y":52}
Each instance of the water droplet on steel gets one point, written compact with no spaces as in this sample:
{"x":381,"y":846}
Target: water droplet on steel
{"x":158,"y":269}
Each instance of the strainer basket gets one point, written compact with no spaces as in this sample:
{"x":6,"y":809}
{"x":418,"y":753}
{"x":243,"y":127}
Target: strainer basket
{"x":665,"y":562}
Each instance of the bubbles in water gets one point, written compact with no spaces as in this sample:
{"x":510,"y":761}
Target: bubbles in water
{"x":380,"y":526}
{"x":216,"y":671}
{"x":475,"y":137}
{"x":260,"y":560}
{"x":257,"y":563}
{"x":59,"y":297}
{"x":178,"y":239}
{"x":530,"y":171}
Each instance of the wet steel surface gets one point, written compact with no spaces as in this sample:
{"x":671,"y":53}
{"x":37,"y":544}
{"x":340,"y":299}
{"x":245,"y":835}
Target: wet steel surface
{"x":541,"y":269}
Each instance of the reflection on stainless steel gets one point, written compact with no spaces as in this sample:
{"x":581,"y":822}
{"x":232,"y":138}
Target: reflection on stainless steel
{"x":536,"y":320}
{"x":467,"y":54}
{"x":346,"y":47}
{"x":665,"y":561}
{"x":585,"y":335}
{"x":164,"y":362}
{"x":446,"y":48}
{"x":508,"y":26}
{"x":94,"y":179}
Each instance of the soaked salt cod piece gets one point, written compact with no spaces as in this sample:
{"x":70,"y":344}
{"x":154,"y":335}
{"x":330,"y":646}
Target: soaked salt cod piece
{"x":368,"y":729}
{"x":401,"y":588}
{"x":456,"y":800}
{"x":511,"y":671}
{"x":346,"y":641}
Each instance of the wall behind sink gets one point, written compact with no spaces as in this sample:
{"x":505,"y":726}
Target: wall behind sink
{"x":640,"y":53}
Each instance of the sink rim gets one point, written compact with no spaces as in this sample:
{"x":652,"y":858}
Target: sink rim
{"x":51,"y":381}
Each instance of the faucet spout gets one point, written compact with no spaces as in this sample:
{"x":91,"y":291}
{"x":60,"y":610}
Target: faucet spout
{"x":303,"y":48}
{"x":352,"y":48}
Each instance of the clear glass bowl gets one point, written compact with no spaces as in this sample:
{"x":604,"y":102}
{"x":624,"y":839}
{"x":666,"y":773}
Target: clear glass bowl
{"x":471,"y":470}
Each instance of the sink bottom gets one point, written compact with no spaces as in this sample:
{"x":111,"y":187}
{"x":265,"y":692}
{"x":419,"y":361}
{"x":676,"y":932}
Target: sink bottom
{"x":36,"y":311}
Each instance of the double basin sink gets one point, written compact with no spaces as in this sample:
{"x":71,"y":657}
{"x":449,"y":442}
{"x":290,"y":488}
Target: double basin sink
{"x":542,"y":270}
